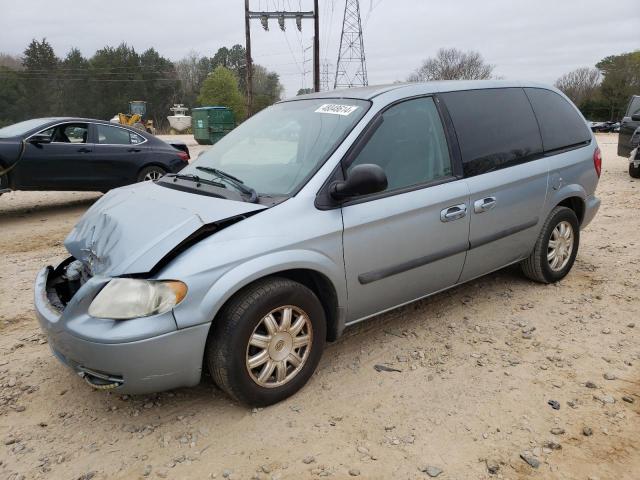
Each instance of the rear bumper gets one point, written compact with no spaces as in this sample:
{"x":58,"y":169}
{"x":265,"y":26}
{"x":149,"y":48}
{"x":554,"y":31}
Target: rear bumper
{"x":153,"y":364}
{"x":592,"y":205}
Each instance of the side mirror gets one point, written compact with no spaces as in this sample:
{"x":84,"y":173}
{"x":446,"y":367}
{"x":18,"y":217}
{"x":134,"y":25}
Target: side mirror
{"x":40,"y":138}
{"x":362,"y":180}
{"x":635,"y":117}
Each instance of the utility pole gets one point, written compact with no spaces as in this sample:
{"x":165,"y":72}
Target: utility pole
{"x":281,"y":16}
{"x":249,"y":62}
{"x":316,"y":47}
{"x":351,"y":70}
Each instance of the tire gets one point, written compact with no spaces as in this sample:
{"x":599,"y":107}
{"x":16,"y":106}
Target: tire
{"x":228,"y":347}
{"x":634,"y":171}
{"x":538,"y":266}
{"x":148,"y":173}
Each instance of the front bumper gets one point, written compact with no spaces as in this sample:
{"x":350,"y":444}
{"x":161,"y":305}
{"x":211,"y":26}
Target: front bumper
{"x":120,"y":359}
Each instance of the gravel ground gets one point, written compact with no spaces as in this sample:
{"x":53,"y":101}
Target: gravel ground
{"x":480,"y":368}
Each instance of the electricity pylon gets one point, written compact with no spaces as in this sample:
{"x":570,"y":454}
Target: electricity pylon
{"x":351,"y":70}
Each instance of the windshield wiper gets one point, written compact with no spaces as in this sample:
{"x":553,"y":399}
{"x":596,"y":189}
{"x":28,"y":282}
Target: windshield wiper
{"x":239,"y":184}
{"x":195,"y":178}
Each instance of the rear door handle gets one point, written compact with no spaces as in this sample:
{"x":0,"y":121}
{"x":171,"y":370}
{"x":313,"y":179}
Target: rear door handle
{"x":454,"y":212}
{"x":484,"y":204}
{"x":133,"y":150}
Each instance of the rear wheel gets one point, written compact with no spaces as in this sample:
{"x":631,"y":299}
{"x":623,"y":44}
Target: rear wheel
{"x":556,"y":247}
{"x":152,"y":173}
{"x":634,"y":171}
{"x":267,"y":342}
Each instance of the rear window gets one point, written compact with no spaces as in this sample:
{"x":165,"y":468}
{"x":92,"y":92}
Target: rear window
{"x":496,"y":128}
{"x":560,"y":124}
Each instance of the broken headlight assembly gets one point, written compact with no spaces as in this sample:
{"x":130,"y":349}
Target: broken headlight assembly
{"x":126,"y":298}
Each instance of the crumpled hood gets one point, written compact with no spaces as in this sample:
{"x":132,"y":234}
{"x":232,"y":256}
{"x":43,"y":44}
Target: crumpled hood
{"x":131,"y":229}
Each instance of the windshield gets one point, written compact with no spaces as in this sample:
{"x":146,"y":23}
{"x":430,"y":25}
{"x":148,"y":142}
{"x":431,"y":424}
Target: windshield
{"x":276,"y":151}
{"x":21,"y":128}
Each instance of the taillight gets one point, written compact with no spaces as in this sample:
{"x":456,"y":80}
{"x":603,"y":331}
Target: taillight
{"x":597,"y":161}
{"x":183,"y":156}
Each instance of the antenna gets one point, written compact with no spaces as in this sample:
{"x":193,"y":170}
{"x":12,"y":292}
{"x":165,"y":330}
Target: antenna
{"x":351,"y":70}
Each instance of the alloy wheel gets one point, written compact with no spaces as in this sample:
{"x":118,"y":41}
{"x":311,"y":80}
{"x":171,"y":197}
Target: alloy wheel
{"x":560,"y":246}
{"x":279,"y":346}
{"x":153,"y":175}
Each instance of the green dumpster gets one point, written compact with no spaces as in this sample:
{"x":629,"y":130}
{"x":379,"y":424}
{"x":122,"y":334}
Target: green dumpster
{"x":210,"y":124}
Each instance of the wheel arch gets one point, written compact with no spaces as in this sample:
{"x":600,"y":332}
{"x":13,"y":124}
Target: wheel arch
{"x":571,"y":196}
{"x":312,"y":269}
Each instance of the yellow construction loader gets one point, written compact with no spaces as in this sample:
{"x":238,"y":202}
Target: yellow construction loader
{"x":137,"y":110}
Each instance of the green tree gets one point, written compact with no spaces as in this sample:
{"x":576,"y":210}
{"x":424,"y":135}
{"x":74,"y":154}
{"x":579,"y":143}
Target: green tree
{"x":621,"y":79}
{"x":75,"y":91}
{"x":12,"y":97}
{"x":221,"y":88}
{"x":161,"y":86}
{"x":115,"y":79}
{"x":40,"y":79}
{"x":304,"y":91}
{"x":234,"y":59}
{"x":267,"y":88}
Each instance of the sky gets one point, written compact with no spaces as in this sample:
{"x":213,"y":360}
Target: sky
{"x":536,"y":40}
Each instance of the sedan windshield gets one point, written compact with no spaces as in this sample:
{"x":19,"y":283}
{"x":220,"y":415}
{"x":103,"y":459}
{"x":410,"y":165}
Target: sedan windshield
{"x":20,"y":128}
{"x":276,"y":151}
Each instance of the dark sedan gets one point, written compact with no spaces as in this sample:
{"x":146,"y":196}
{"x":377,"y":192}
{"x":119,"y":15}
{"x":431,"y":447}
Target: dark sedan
{"x":82,"y":154}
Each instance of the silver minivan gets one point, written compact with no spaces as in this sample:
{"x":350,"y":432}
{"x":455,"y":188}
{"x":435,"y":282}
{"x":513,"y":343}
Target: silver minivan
{"x":315,"y":214}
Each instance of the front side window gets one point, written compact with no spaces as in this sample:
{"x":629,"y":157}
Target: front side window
{"x":496,"y":128}
{"x":68,"y":133}
{"x":277,"y":150}
{"x":410,"y":145}
{"x":108,"y":135}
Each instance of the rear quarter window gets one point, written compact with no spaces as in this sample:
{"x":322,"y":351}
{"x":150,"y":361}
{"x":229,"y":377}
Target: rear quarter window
{"x":561,"y":125}
{"x":496,"y":128}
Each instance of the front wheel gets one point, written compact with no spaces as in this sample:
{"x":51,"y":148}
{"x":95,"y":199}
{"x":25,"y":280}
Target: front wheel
{"x":152,"y":174}
{"x":634,"y":171}
{"x":267,"y":341}
{"x":556,"y":247}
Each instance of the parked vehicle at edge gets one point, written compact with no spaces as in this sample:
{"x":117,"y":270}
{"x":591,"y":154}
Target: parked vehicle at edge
{"x":605,"y":127}
{"x":634,"y":156}
{"x":267,"y":245}
{"x":628,"y":126}
{"x":82,"y":154}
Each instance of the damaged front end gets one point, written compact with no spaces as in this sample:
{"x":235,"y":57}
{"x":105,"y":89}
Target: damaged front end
{"x":122,"y":243}
{"x":64,"y":282}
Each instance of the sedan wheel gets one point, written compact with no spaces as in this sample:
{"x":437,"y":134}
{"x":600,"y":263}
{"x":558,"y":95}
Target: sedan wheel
{"x":151,"y":174}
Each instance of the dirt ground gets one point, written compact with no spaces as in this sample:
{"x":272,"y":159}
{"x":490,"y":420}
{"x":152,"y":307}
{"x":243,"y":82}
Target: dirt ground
{"x":478,"y":363}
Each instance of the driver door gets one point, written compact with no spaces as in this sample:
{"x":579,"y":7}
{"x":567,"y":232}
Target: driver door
{"x":58,"y":165}
{"x":410,"y":240}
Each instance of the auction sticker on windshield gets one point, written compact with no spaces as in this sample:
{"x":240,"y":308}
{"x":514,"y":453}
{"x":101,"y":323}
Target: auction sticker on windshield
{"x":336,"y":109}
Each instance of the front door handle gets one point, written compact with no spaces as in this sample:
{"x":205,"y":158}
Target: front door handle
{"x":454,"y":212}
{"x":134,"y":150}
{"x":84,"y":150}
{"x":484,"y":204}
